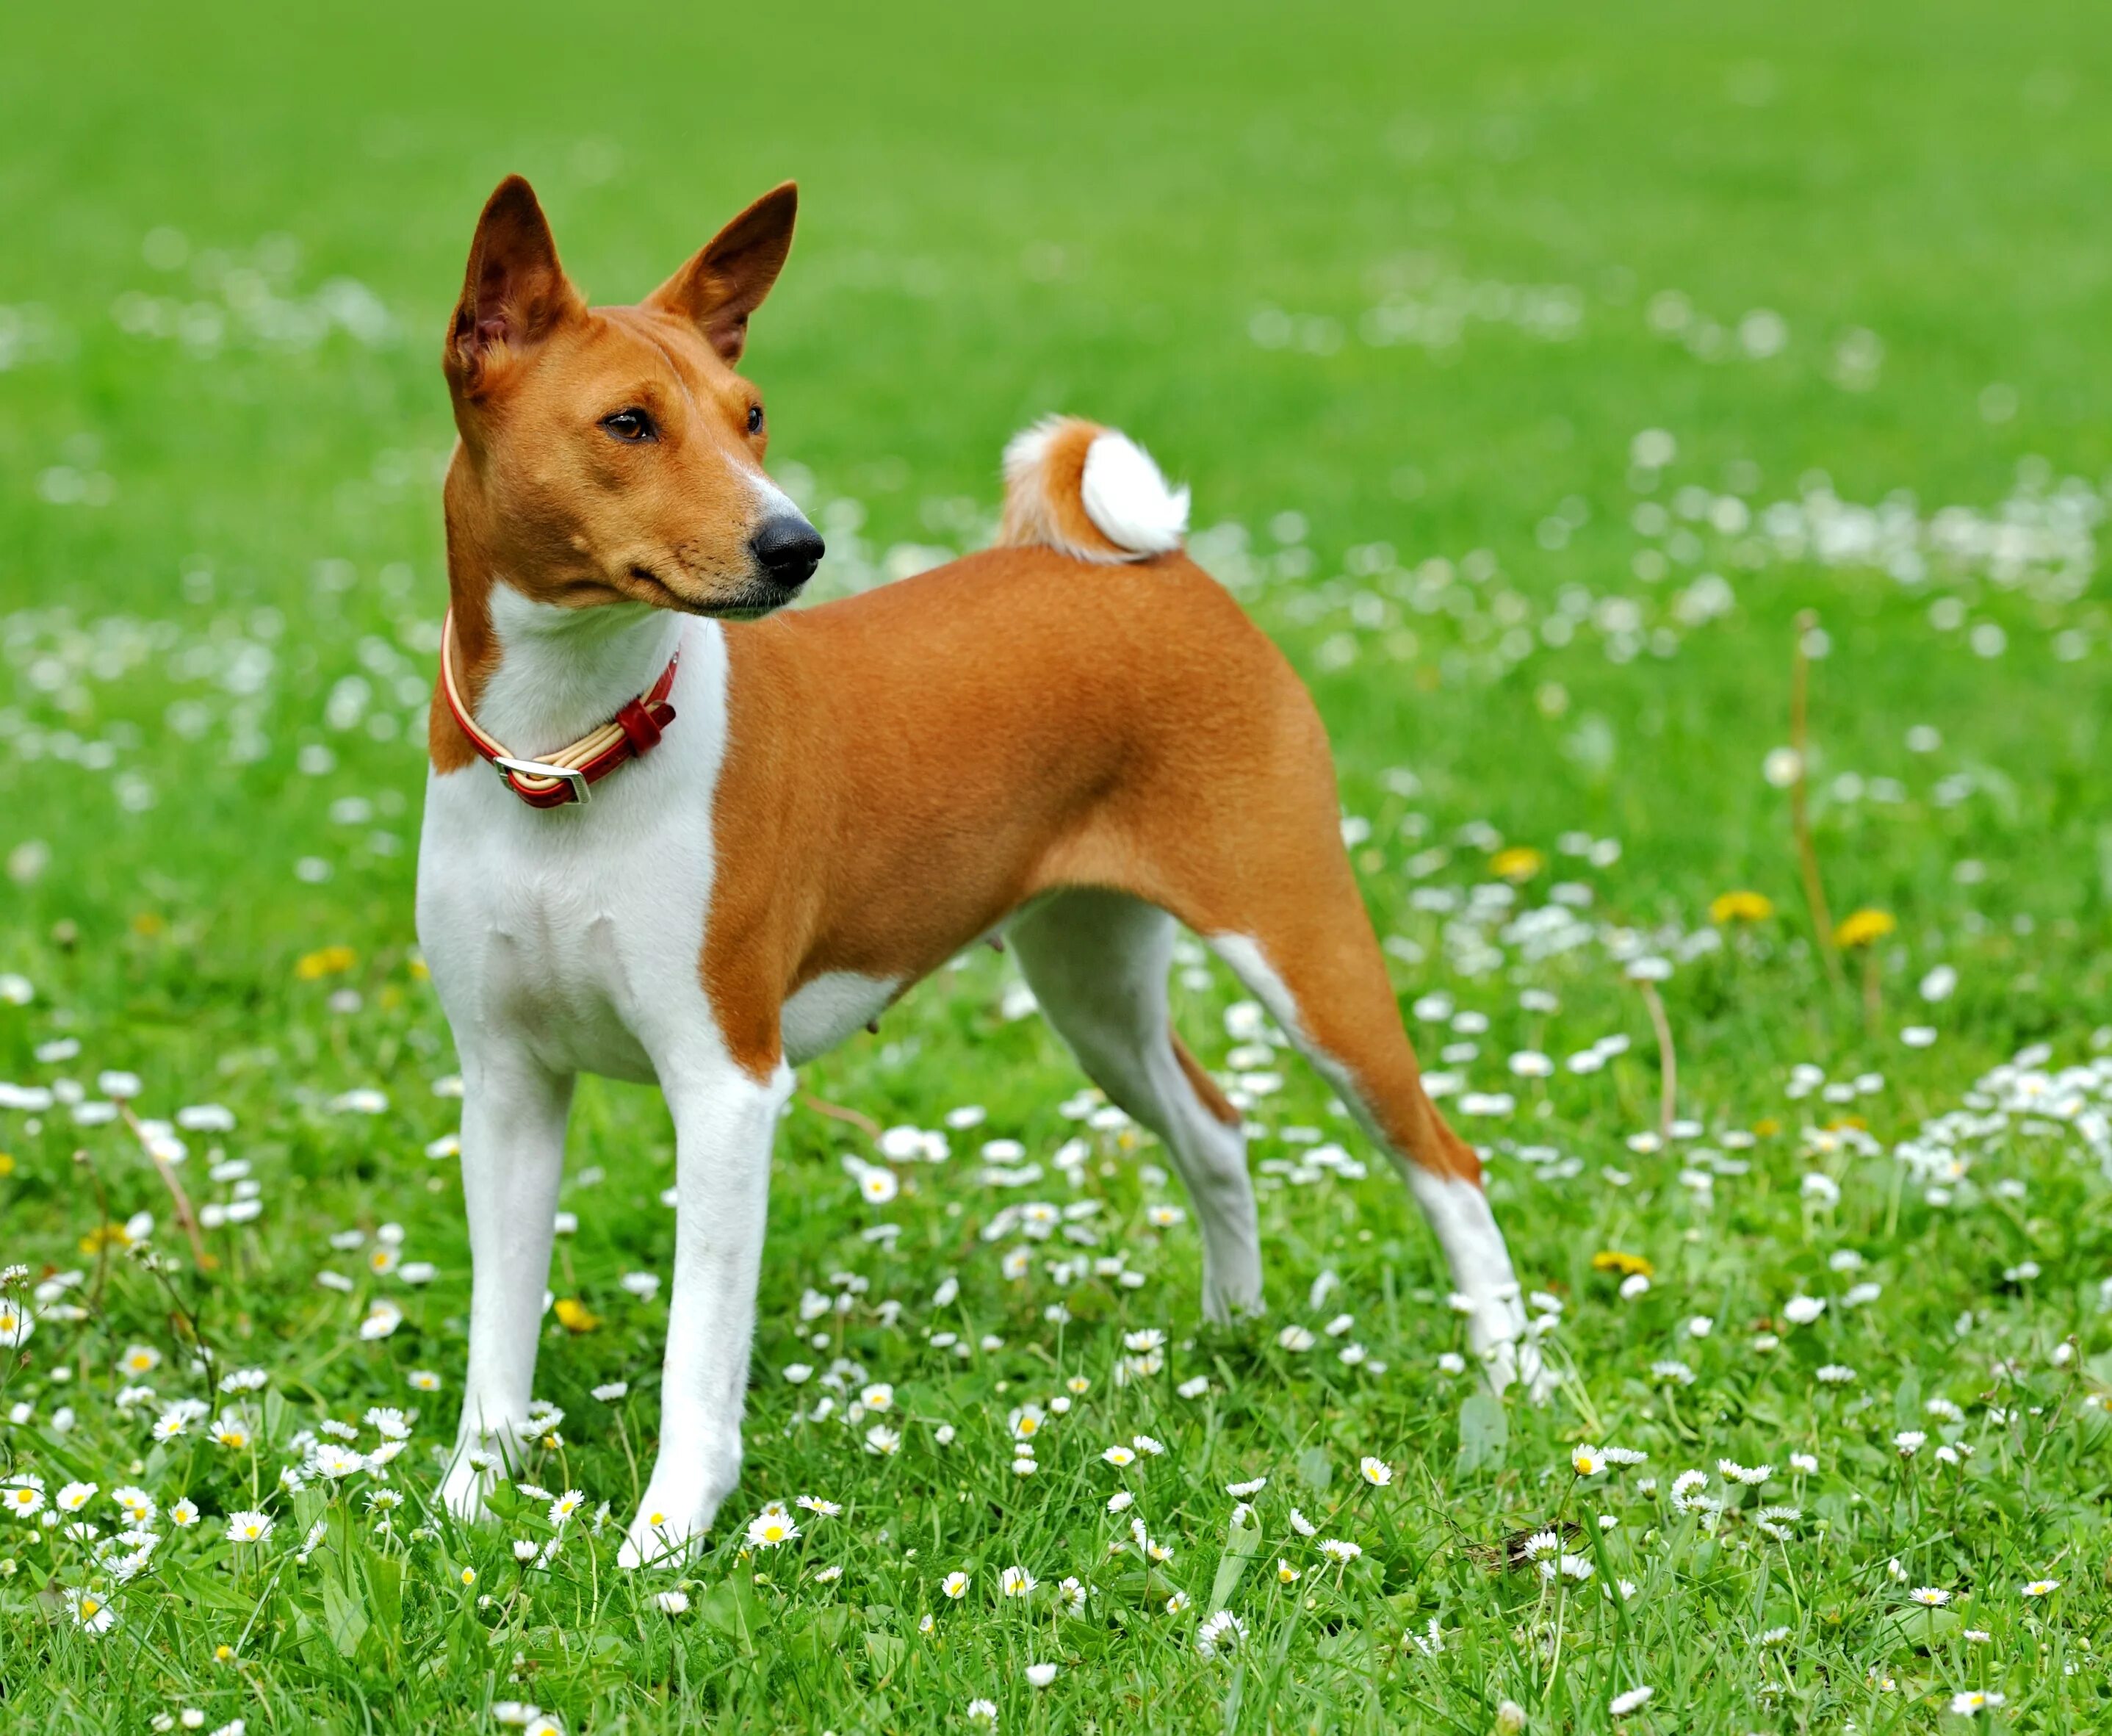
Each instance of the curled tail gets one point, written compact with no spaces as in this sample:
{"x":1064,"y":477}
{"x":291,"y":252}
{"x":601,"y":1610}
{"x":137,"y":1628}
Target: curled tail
{"x":1088,"y":491}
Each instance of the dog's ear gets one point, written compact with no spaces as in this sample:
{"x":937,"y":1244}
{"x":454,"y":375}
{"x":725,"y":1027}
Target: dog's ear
{"x":514,"y":294}
{"x":728,"y":281}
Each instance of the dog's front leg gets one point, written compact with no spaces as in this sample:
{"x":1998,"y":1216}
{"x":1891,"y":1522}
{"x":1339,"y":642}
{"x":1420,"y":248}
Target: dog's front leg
{"x":724,"y":1121}
{"x":512,"y":1153}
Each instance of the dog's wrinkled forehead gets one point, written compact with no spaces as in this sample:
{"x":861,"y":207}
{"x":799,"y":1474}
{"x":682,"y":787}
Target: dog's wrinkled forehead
{"x":648,"y":345}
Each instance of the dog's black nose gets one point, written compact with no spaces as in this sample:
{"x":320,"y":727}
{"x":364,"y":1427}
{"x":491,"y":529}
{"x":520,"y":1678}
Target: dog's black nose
{"x":789,"y":549}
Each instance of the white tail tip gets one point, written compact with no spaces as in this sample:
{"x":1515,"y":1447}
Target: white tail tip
{"x":1088,"y":491}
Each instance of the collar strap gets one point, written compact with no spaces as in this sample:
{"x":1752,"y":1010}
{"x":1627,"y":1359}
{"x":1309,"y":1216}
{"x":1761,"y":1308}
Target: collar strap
{"x":564,"y":776}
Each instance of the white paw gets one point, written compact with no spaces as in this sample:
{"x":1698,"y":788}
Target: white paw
{"x":1509,"y":1352}
{"x":666,"y":1532}
{"x":1240,"y":1299}
{"x":462,"y":1489}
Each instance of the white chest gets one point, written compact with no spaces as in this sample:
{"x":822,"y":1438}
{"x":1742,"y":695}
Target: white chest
{"x":577,"y":932}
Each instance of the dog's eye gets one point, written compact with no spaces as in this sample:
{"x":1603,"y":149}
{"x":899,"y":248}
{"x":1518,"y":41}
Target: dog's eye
{"x":755,"y":418}
{"x":634,"y":427}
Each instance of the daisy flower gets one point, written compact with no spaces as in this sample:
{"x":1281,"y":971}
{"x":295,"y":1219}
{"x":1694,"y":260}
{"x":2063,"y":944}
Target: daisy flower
{"x":1376,"y":1472}
{"x":140,"y":1506}
{"x":955,"y":1585}
{"x":248,"y":1527}
{"x":335,"y":1462}
{"x":1017,"y":1582}
{"x":2041,"y":1588}
{"x":1336,"y":1549}
{"x":91,"y":1611}
{"x":770,"y":1528}
{"x":815,"y":1504}
{"x":1634,"y":1699}
{"x":1930,"y":1596}
{"x":1219,"y":1633}
{"x":1588,"y":1462}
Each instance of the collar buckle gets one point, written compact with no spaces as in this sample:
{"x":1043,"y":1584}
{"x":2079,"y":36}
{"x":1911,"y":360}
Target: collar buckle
{"x":571,"y":777}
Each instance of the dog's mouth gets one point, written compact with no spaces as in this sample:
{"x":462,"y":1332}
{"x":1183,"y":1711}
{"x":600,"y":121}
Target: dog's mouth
{"x":751,"y":600}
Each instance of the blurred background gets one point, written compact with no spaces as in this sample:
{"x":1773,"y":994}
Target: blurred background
{"x":1482,"y":341}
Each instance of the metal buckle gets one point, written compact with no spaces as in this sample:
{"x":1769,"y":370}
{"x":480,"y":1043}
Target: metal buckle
{"x":568,"y":775}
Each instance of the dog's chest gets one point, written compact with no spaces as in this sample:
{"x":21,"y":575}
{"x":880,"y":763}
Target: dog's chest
{"x":577,"y":932}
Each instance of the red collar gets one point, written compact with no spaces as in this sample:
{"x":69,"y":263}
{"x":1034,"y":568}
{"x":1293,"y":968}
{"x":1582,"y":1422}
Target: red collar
{"x":564,"y":776}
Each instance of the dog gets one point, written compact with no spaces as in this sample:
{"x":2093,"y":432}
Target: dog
{"x":721,"y":839}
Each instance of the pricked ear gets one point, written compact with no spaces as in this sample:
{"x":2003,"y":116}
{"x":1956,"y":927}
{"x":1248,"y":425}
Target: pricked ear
{"x":515,"y":293}
{"x":728,"y":280}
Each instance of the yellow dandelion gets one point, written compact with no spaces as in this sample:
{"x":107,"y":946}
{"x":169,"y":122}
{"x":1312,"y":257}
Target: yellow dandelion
{"x":1741,"y":907}
{"x":1628,"y":1265}
{"x":1520,"y":862}
{"x":575,"y":1316}
{"x":327,"y":962}
{"x":1865,"y":928}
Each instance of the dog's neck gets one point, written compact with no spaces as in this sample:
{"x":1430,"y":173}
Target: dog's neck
{"x":550,"y":675}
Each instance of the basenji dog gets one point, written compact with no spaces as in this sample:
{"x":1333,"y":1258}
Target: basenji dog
{"x":719,"y":839}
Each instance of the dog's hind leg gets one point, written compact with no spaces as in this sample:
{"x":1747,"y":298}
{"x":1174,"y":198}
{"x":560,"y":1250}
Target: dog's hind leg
{"x":1319,"y":973}
{"x":1097,"y":962}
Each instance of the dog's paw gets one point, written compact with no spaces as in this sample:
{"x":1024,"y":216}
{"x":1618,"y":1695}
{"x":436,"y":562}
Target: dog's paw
{"x":462,"y":1489}
{"x":1534,"y":1378}
{"x":1227,"y":1303}
{"x":667,"y":1531}
{"x":1509,"y":1352}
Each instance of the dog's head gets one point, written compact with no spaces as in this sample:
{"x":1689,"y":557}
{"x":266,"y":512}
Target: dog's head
{"x":612,"y":454}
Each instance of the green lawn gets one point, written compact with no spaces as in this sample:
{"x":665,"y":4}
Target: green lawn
{"x":1533,"y":368}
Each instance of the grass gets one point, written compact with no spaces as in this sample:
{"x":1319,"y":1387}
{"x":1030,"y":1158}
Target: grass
{"x":1397,"y":295}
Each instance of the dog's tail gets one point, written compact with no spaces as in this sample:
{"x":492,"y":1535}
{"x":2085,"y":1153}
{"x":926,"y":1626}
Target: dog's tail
{"x":1088,"y":491}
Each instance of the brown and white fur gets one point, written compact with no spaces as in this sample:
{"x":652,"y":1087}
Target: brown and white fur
{"x":1074,"y":739}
